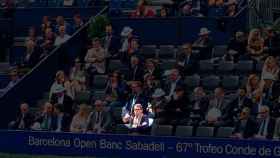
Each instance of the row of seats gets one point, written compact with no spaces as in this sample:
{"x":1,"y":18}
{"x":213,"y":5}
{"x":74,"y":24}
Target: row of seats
{"x":183,"y":131}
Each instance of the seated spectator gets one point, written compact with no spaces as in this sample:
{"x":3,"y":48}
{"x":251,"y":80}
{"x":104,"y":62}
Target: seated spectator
{"x":46,"y":23}
{"x":80,"y":120}
{"x":275,"y":110}
{"x":136,"y":97}
{"x":100,"y":120}
{"x":138,"y":122}
{"x":216,"y":8}
{"x":111,"y":42}
{"x":143,"y":10}
{"x":116,"y":90}
{"x":271,"y":42}
{"x":258,"y":101}
{"x":204,"y":44}
{"x":136,"y":70}
{"x":47,"y":43}
{"x":237,"y":46}
{"x":61,"y":22}
{"x":152,"y":68}
{"x":231,"y":10}
{"x":245,"y":127}
{"x":78,"y":77}
{"x":127,"y":36}
{"x":270,"y":88}
{"x":133,"y":48}
{"x":95,"y":58}
{"x":58,"y":82}
{"x":187,"y":61}
{"x":62,"y":36}
{"x":32,"y":56}
{"x":46,"y":119}
{"x":270,"y":68}
{"x":150,"y":84}
{"x":174,"y":80}
{"x":177,"y":110}
{"x":158,"y":102}
{"x":266,"y":124}
{"x":78,"y":22}
{"x":218,"y":109}
{"x":24,"y":119}
{"x":255,"y":46}
{"x":62,"y":120}
{"x":14,"y":78}
{"x":32,"y":35}
{"x":253,"y":85}
{"x":199,"y":105}
{"x":163,"y":12}
{"x":187,"y":9}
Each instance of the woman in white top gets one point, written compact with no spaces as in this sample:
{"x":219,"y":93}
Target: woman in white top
{"x":80,"y":120}
{"x":270,"y":67}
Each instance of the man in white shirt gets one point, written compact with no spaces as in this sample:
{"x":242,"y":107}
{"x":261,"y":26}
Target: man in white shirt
{"x":266,"y":124}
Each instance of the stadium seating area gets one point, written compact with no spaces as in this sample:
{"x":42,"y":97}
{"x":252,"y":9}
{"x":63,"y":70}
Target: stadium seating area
{"x":195,"y":88}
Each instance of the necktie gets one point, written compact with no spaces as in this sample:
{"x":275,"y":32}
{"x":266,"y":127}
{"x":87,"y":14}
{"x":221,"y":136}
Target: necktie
{"x":98,"y":117}
{"x":262,"y":128}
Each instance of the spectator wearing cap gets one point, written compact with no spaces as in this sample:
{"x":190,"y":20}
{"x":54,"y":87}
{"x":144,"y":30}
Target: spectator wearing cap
{"x":111,"y":42}
{"x":245,"y":127}
{"x":237,"y":46}
{"x":177,"y":109}
{"x":100,"y":120}
{"x":138,"y":122}
{"x":143,"y":10}
{"x":136,"y":96}
{"x":199,"y":105}
{"x":136,"y":70}
{"x":187,"y":60}
{"x":126,"y":38}
{"x":24,"y":119}
{"x":174,"y":80}
{"x":62,"y":120}
{"x":95,"y":58}
{"x":271,"y":67}
{"x":62,"y":36}
{"x":204,"y":44}
{"x":266,"y":124}
{"x":80,"y":120}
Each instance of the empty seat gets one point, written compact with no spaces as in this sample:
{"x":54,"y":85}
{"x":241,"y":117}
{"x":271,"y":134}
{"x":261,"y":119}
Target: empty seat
{"x":166,"y":52}
{"x":168,"y":64}
{"x":206,"y":66}
{"x":148,"y":51}
{"x":98,"y":94}
{"x":244,"y":67}
{"x":230,"y":82}
{"x":117,"y":114}
{"x":204,"y":132}
{"x":100,"y":82}
{"x":224,"y":132}
{"x":219,"y":51}
{"x":211,"y":82}
{"x":82,"y":97}
{"x":162,"y":130}
{"x":114,"y":65}
{"x":259,"y":67}
{"x":225,"y":68}
{"x":184,"y":131}
{"x":192,"y":81}
{"x":121,"y":129}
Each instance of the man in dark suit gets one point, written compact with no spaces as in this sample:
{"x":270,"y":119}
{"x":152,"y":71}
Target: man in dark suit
{"x":266,"y":124}
{"x":187,"y":61}
{"x":111,"y":42}
{"x":100,"y":120}
{"x":245,"y":127}
{"x":136,"y":70}
{"x":271,"y":90}
{"x":60,"y":97}
{"x":24,"y":119}
{"x":62,"y":120}
{"x":46,"y":119}
{"x":136,"y":97}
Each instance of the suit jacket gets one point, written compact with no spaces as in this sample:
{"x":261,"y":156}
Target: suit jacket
{"x":136,"y":73}
{"x":105,"y":117}
{"x":235,"y":108}
{"x":65,"y":122}
{"x":250,"y":128}
{"x":51,"y":125}
{"x":168,"y":83}
{"x":270,"y":128}
{"x":28,"y":121}
{"x":189,"y":66}
{"x":113,"y":45}
{"x":275,"y":92}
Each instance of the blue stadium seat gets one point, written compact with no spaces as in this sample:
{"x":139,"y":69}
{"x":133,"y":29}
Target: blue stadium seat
{"x":211,"y":82}
{"x":166,"y":52}
{"x":230,"y":82}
